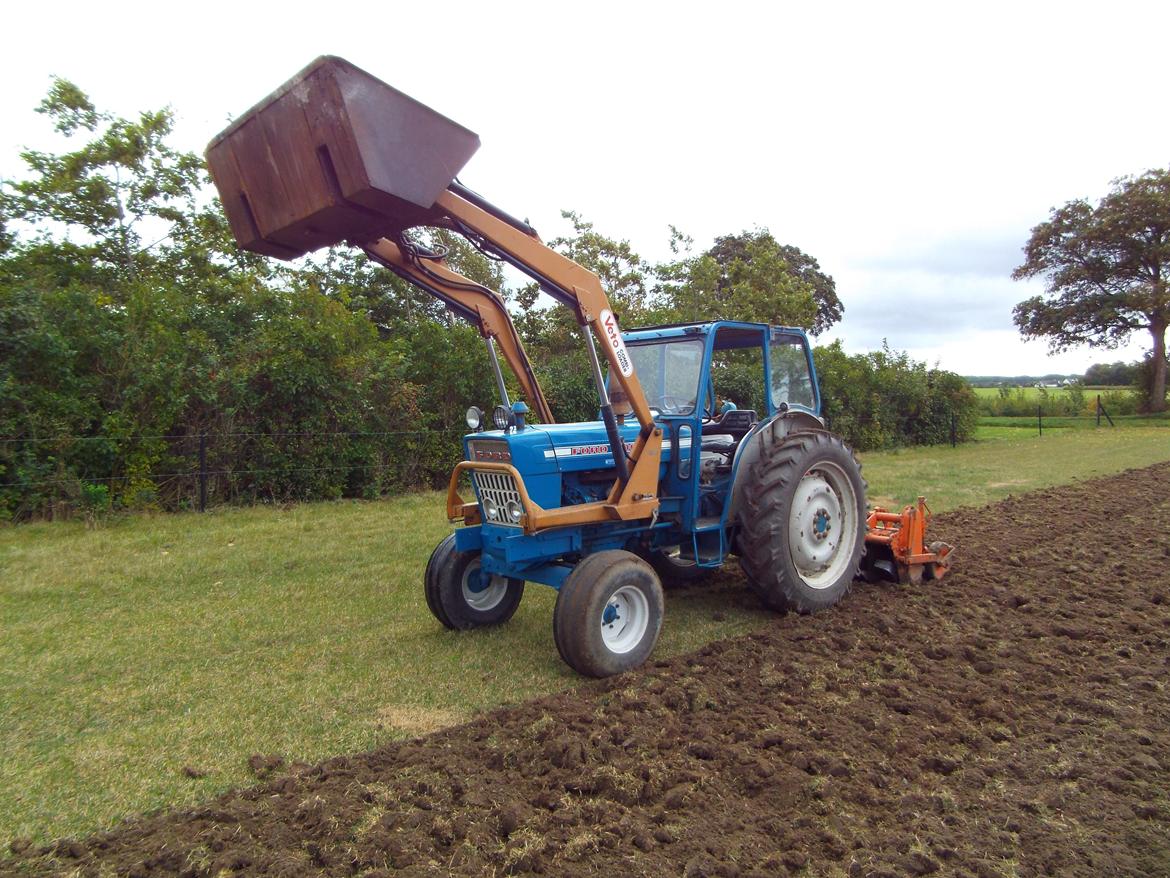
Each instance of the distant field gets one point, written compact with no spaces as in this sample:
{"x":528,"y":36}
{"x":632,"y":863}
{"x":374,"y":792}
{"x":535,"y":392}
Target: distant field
{"x":145,"y":660}
{"x":1032,"y":392}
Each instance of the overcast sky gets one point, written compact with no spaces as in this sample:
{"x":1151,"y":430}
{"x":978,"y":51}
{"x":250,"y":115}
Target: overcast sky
{"x":910,"y":148}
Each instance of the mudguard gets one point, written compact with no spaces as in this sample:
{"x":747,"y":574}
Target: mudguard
{"x":780,"y":425}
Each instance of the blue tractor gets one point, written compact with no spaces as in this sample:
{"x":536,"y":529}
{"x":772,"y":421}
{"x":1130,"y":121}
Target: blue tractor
{"x":766,"y":483}
{"x":709,"y":441}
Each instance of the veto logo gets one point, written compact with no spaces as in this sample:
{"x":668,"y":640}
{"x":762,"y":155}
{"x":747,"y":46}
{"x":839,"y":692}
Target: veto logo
{"x":613,"y":338}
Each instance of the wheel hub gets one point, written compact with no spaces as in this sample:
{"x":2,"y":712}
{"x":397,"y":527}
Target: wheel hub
{"x":481,"y":590}
{"x":821,"y":524}
{"x":817,"y":524}
{"x":625,"y":619}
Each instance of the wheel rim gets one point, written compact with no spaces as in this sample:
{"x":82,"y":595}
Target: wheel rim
{"x":482,"y":591}
{"x":822,"y":525}
{"x":625,"y":619}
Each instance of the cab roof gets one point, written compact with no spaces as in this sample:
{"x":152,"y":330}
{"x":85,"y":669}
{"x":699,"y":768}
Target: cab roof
{"x":748,"y":332}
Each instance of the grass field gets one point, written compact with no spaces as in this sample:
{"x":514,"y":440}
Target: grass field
{"x":1033,"y":392}
{"x":150,"y":649}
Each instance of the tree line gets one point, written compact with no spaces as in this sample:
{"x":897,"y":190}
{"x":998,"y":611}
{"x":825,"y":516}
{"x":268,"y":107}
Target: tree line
{"x":131,"y":326}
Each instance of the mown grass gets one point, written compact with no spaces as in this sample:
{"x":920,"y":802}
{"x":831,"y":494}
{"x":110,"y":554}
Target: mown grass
{"x":1008,"y":461}
{"x":147,"y":646}
{"x":1006,"y":427}
{"x":1030,"y":391}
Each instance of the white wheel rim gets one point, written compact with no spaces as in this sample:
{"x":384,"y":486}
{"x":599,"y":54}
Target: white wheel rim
{"x":624,"y":619}
{"x":822,"y":525}
{"x":486,"y":598}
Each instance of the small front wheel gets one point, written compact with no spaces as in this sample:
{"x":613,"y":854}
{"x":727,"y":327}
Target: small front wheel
{"x":461,"y":595}
{"x":608,"y":614}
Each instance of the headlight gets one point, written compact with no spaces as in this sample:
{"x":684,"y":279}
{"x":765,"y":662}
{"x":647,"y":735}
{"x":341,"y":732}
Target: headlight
{"x":515,"y":511}
{"x":475,"y":417}
{"x":491,"y":509}
{"x":502,"y":416}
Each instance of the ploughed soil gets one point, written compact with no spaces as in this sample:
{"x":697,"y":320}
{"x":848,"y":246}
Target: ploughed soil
{"x":1011,"y":720}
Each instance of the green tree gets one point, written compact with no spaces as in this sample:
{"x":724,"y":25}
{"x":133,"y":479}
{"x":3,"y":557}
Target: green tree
{"x":1116,"y":374}
{"x":1107,"y":269}
{"x":751,"y":276}
{"x":131,"y":195}
{"x":731,"y":252}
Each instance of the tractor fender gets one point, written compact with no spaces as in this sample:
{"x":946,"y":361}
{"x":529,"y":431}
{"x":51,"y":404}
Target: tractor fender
{"x":779,"y":425}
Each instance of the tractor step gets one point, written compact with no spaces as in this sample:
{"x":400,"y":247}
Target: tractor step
{"x":707,"y":545}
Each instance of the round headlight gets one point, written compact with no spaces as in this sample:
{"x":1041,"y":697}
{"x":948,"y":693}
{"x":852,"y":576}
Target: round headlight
{"x":491,"y":509}
{"x":515,"y":511}
{"x":475,"y":417}
{"x":501,"y":416}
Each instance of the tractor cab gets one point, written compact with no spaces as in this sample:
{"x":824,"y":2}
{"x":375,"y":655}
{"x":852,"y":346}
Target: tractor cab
{"x":710,"y":387}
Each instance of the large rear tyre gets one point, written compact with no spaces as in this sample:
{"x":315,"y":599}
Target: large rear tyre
{"x":461,"y":595}
{"x":803,"y":521}
{"x":608,"y":614}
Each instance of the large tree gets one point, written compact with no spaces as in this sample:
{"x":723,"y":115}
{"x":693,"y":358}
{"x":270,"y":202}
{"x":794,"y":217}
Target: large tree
{"x":736,"y":253}
{"x":750,"y":276}
{"x":1106,"y":270}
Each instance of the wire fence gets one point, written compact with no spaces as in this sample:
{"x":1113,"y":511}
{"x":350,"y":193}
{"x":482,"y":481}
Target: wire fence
{"x":1045,"y":419}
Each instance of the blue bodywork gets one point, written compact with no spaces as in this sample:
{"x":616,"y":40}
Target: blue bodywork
{"x":567,"y":464}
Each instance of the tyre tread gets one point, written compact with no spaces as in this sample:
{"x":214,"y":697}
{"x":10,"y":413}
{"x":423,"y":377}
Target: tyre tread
{"x":764,"y":513}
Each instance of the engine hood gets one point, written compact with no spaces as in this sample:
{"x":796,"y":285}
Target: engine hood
{"x":543,"y":453}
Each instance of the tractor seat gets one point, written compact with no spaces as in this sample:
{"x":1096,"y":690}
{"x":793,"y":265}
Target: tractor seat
{"x":736,"y":423}
{"x":724,"y":443}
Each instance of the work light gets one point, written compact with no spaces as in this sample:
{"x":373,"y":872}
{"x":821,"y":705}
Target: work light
{"x":515,"y":511}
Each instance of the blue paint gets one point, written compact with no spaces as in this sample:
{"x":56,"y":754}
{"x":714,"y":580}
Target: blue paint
{"x":821,"y":523}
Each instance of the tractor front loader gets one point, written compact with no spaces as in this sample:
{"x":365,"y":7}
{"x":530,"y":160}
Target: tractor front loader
{"x":663,"y":488}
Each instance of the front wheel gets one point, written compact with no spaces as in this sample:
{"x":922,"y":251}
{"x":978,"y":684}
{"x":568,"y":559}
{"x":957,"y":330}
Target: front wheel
{"x":608,"y":614}
{"x":803,"y":521}
{"x":461,"y":595}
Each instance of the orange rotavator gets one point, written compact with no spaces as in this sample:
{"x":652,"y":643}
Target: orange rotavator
{"x":671,"y":480}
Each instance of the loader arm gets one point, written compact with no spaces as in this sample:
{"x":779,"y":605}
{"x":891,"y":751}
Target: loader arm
{"x":335,"y":155}
{"x":635,"y":491}
{"x":481,"y":307}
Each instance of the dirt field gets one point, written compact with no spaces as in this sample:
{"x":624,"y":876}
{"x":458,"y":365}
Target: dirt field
{"x":1012,"y":720}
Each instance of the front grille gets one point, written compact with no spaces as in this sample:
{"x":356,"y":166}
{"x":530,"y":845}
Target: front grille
{"x":497,"y":492}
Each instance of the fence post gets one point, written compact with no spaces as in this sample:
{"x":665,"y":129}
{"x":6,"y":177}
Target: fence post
{"x":954,"y":431}
{"x":1101,"y":410}
{"x":1040,"y":419}
{"x":202,"y":472}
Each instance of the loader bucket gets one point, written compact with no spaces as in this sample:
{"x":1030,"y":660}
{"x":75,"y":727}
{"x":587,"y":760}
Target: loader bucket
{"x":333,"y":155}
